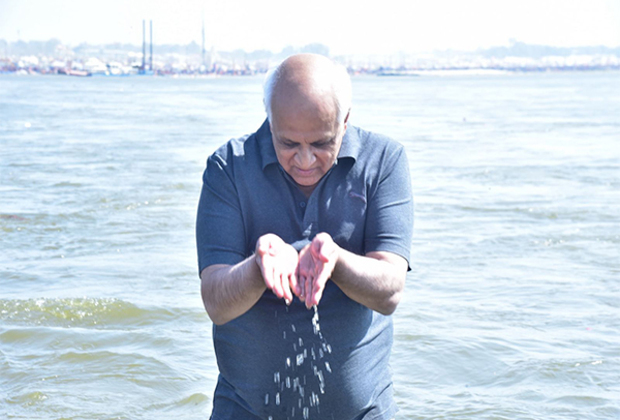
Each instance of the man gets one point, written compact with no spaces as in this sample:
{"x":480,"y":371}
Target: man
{"x":306,"y":212}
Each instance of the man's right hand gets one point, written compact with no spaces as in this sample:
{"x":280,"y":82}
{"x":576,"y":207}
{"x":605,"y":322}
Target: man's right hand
{"x":277,"y":261}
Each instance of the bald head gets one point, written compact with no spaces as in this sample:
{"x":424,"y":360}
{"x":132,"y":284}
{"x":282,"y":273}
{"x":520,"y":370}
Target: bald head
{"x":309,"y":82}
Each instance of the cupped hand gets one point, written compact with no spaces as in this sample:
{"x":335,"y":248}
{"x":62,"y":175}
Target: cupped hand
{"x":277,"y":261}
{"x":316,"y":265}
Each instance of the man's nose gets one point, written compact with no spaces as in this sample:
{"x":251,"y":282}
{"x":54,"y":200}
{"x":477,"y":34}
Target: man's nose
{"x":305,"y":158}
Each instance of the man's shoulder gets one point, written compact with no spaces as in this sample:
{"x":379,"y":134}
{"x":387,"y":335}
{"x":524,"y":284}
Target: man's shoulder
{"x":234,"y":147}
{"x":372,"y":144}
{"x":372,"y":136}
{"x":240,"y":147}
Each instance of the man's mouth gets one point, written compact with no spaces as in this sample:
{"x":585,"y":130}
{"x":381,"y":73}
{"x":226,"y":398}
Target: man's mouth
{"x":305,"y":172}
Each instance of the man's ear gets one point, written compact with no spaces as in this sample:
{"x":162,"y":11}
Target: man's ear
{"x":346,"y":119}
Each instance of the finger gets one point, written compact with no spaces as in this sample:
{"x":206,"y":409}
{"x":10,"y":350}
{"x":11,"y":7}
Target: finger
{"x":315,"y":248}
{"x":293,"y":283}
{"x":277,"y":283}
{"x":266,"y":271}
{"x":302,"y":288}
{"x":308,"y":293}
{"x":323,"y":274}
{"x":320,"y":283}
{"x":318,"y":294}
{"x":304,"y":276}
{"x":327,"y":251}
{"x":261,"y":249}
{"x":286,"y":290}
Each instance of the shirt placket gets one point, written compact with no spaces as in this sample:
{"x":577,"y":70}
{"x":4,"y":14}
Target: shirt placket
{"x":310,"y":220}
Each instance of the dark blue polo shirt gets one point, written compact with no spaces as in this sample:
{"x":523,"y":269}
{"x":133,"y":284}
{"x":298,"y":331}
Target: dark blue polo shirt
{"x":277,"y":361}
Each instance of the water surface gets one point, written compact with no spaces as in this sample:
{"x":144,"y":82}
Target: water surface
{"x":511,"y":310}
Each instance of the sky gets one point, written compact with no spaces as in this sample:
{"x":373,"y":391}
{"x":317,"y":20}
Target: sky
{"x":346,"y":27}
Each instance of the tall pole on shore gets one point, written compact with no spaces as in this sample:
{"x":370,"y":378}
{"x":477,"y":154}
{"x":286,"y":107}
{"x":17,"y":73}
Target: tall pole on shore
{"x":151,"y":59}
{"x":203,"y":42}
{"x":143,"y":45}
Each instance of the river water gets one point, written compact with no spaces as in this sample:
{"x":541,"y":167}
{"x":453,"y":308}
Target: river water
{"x":511,"y":310}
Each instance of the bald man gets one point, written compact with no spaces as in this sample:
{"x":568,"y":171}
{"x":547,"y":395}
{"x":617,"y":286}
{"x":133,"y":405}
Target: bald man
{"x":306,"y":216}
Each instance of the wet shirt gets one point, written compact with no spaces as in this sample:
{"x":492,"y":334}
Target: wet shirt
{"x":288,"y":362}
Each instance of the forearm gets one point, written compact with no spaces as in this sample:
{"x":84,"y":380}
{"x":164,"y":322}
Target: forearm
{"x":229,"y":291}
{"x":375,"y":280}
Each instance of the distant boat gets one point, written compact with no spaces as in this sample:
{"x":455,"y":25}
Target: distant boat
{"x":73,"y":72}
{"x":389,"y":72}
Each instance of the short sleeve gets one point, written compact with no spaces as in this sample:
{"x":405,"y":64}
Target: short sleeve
{"x":389,"y":221}
{"x":220,"y":236}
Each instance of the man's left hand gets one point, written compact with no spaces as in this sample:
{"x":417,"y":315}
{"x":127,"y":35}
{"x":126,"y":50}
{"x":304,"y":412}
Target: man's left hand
{"x":316,"y":265}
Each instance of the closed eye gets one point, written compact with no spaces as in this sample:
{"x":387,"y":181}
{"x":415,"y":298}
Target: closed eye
{"x":288,"y":144}
{"x":323,"y":143}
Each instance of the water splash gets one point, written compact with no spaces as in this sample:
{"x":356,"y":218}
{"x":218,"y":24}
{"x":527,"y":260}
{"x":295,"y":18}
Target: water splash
{"x":303,"y":379}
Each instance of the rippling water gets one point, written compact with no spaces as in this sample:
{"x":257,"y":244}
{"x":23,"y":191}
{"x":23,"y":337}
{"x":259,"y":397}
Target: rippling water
{"x":511,"y":310}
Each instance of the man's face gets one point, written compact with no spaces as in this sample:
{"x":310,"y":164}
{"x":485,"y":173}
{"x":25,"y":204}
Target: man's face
{"x":307,"y":140}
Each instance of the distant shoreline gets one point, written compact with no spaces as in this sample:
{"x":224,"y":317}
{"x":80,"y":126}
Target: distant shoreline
{"x":384,"y":73}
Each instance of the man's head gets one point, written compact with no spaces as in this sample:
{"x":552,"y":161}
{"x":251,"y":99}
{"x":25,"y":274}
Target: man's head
{"x":308,"y":99}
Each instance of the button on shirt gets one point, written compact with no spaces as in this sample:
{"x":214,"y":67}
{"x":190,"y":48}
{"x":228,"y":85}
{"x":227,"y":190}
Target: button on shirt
{"x":271,"y":359}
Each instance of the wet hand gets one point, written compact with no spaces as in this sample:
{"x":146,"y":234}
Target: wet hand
{"x":277,"y":261}
{"x":316,"y":265}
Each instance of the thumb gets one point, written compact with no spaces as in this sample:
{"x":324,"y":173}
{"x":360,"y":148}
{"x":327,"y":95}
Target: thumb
{"x":317,"y":249}
{"x":327,"y":249}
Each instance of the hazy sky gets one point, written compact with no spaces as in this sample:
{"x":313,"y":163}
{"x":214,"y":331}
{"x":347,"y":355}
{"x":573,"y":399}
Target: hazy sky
{"x":377,"y":26}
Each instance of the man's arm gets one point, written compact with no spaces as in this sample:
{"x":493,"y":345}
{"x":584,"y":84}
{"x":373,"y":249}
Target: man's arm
{"x":375,"y":280}
{"x":229,"y":291}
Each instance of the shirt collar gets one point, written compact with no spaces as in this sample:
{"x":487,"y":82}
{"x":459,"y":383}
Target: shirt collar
{"x":351,"y":144}
{"x":265,"y":145}
{"x":349,"y":149}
